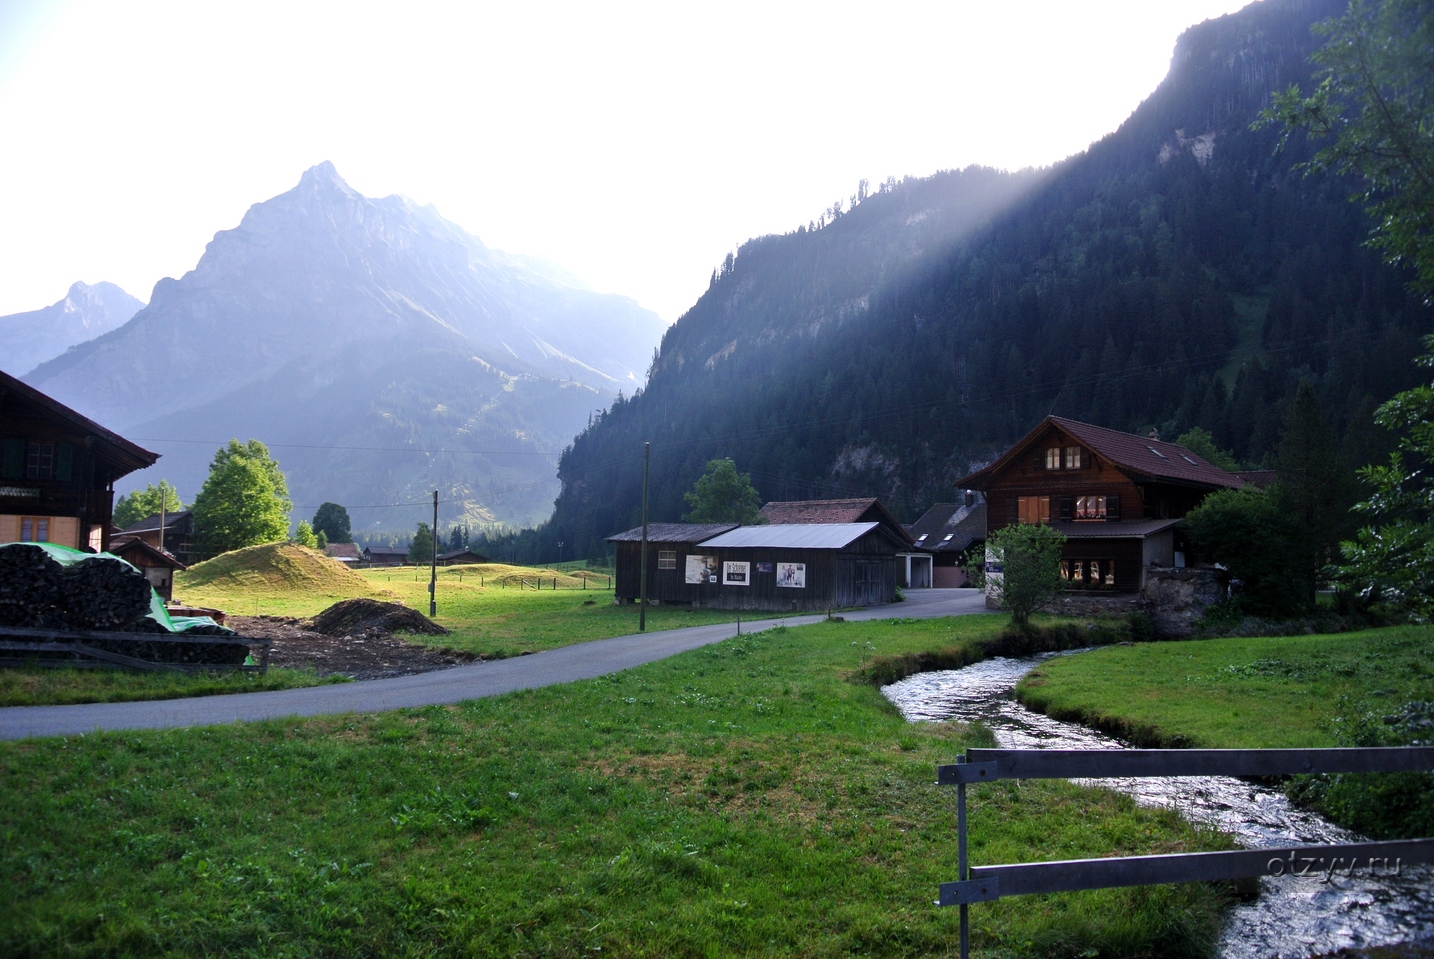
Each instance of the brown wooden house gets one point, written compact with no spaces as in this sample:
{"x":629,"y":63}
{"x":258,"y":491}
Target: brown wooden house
{"x":669,"y":579}
{"x":461,"y":557}
{"x":58,"y":470}
{"x":914,"y":563}
{"x":1118,"y":497}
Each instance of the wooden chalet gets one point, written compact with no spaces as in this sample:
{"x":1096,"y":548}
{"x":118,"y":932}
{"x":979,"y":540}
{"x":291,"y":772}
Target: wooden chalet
{"x":157,"y":565}
{"x":58,"y":470}
{"x":461,"y":557}
{"x":385,"y":555}
{"x":802,"y":566}
{"x":1118,"y":497}
{"x":177,"y":538}
{"x":951,"y":531}
{"x":913,"y":562}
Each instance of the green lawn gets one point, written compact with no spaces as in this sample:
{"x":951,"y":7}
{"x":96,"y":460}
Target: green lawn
{"x":1266,"y":692}
{"x":742,"y":799}
{"x":23,"y":686}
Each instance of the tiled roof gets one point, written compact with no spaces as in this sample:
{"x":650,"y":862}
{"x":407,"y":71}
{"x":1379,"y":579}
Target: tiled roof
{"x":793,"y":536}
{"x":454,"y":554}
{"x":817,"y":510}
{"x":386,"y":550}
{"x":963,"y":524}
{"x":129,"y":456}
{"x":150,"y":524}
{"x":673,"y":532}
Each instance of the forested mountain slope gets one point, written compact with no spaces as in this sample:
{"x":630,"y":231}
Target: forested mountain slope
{"x":1176,"y":274}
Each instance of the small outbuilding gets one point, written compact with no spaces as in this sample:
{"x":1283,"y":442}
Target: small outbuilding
{"x":948,"y":532}
{"x":461,"y":557}
{"x":385,"y":555}
{"x":157,"y":565}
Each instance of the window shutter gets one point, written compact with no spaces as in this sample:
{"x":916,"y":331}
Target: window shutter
{"x":1067,"y":507}
{"x":1015,"y":510}
{"x":12,"y":459}
{"x":1038,"y":460}
{"x":1084,"y":458}
{"x":64,"y":461}
{"x":1112,"y":508}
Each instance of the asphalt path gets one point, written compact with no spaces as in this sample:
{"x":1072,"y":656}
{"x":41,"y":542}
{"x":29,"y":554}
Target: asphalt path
{"x":442,"y":687}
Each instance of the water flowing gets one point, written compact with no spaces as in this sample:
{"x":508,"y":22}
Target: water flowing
{"x":1294,"y":917}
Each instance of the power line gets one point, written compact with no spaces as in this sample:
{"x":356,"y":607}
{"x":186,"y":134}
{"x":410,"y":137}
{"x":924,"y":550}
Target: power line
{"x":365,"y":449}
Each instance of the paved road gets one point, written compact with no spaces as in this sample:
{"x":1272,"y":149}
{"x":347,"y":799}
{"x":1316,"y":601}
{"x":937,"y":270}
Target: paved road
{"x":474,"y":681}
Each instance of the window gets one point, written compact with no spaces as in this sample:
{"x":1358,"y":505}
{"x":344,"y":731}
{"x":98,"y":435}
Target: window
{"x":1090,"y":507}
{"x":921,"y":537}
{"x":1088,"y":573}
{"x":34,"y":529}
{"x":1075,"y":457}
{"x":1033,"y":509}
{"x":1053,"y":458}
{"x":40,"y":461}
{"x":667,"y":559}
{"x":1157,"y":452}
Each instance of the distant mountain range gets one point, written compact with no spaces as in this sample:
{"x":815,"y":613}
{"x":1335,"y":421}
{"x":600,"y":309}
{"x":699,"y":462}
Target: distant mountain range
{"x":352,"y":335}
{"x":1178,"y":273}
{"x":27,"y":339}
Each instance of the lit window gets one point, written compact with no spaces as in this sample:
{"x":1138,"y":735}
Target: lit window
{"x":1072,"y":457}
{"x":1090,"y":507}
{"x":34,"y":529}
{"x":667,"y":559}
{"x":948,"y":537}
{"x":1053,"y":458}
{"x":40,"y":461}
{"x":1033,"y":509}
{"x":921,"y":537}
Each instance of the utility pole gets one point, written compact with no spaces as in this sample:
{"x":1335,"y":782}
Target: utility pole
{"x":433,"y":568}
{"x":163,"y":502}
{"x":642,"y":593}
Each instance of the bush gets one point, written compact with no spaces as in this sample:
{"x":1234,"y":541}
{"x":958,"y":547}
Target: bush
{"x":1030,"y":559}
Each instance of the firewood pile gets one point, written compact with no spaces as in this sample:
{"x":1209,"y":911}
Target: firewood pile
{"x":99,"y":593}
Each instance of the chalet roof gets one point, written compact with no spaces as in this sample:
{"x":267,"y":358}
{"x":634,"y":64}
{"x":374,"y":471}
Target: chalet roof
{"x":386,"y":550}
{"x":1139,"y":455}
{"x":807,"y":511}
{"x":342,"y":550}
{"x":963,"y":525}
{"x":673,"y":532}
{"x":1097,"y":530}
{"x":793,"y":536}
{"x":150,"y":524}
{"x":124,"y":456}
{"x":133,"y":544}
{"x":458,"y":553}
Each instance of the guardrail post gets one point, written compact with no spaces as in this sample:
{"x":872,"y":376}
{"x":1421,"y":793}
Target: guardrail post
{"x":961,"y":870}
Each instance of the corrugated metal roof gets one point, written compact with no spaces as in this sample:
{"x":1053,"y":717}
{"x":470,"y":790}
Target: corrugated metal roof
{"x":672,"y":532}
{"x":1090,"y":530}
{"x":794,"y":536}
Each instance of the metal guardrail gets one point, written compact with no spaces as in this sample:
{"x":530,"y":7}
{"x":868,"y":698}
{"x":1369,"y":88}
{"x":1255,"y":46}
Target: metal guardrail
{"x":987,"y":883}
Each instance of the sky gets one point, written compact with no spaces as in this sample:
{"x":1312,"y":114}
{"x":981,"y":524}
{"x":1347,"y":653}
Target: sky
{"x":635,"y":144}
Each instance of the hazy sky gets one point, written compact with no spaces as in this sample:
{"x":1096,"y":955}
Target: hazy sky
{"x":635,"y":144}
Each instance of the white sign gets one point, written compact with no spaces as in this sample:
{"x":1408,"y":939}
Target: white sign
{"x":792,"y":575}
{"x":701,"y":569}
{"x":736,"y":574}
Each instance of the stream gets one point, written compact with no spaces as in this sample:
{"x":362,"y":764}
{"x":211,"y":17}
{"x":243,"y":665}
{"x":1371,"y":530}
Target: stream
{"x":1294,"y":917}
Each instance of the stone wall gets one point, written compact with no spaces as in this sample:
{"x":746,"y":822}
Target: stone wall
{"x":1174,"y":599}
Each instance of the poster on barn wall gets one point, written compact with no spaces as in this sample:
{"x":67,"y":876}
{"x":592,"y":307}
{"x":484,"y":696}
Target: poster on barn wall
{"x":792,"y":575}
{"x":764,"y":567}
{"x":736,"y":574}
{"x":701,"y":569}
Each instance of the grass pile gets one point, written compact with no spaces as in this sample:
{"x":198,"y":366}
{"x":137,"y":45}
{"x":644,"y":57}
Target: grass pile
{"x":739,"y":799}
{"x":276,"y":578}
{"x":1368,"y":688}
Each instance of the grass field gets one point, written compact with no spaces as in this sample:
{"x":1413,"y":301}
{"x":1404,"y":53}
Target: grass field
{"x":1287,"y":691}
{"x":742,"y":799}
{"x":52,"y":687}
{"x":488,"y":607}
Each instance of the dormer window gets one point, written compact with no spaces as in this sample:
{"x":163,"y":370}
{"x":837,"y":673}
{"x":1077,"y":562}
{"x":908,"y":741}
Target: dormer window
{"x":948,"y":537}
{"x":1157,"y":452}
{"x":921,"y":537}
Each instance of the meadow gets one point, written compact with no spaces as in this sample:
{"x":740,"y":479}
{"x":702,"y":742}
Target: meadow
{"x":746,"y":798}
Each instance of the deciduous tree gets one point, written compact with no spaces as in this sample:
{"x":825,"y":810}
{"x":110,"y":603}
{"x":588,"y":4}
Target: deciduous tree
{"x":333,"y":519}
{"x":1029,"y":555}
{"x":244,"y":502}
{"x":304,"y":535}
{"x":139,"y":504}
{"x":722,"y":495}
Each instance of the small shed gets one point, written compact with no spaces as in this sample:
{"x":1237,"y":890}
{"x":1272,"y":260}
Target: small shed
{"x":157,"y":565}
{"x":385,"y":555}
{"x":461,"y":557}
{"x":669,"y":579}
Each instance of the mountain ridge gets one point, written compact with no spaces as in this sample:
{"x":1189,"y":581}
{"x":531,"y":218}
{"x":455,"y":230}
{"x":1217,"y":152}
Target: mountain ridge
{"x":86,"y":311}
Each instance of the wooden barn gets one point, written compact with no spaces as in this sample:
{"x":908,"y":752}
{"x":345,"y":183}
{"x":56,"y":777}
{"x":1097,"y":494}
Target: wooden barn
{"x":57,"y":470}
{"x":461,"y":557}
{"x":806,"y":566}
{"x":158,"y":565}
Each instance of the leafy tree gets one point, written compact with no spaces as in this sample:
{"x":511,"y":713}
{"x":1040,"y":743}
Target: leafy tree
{"x":1246,"y":531}
{"x":1199,"y":441}
{"x":333,"y":519}
{"x":1030,"y":558}
{"x":1373,"y":99}
{"x":321,"y":540}
{"x":139,"y":504}
{"x":420,"y":550}
{"x":1393,"y":562}
{"x":304,"y":535}
{"x":244,"y":502}
{"x":721,"y":495}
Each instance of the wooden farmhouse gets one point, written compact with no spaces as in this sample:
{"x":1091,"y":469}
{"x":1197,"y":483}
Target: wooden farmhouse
{"x":461,"y":557}
{"x":385,"y":555}
{"x":1118,"y":497}
{"x":914,"y":563}
{"x":805,"y":566}
{"x":951,"y":532}
{"x":58,"y":470}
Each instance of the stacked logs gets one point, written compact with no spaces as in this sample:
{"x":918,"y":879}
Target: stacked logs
{"x":102,"y":593}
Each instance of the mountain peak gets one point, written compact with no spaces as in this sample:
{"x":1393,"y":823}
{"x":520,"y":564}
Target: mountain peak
{"x":323,"y":177}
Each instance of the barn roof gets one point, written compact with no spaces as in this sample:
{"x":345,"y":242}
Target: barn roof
{"x":131,"y":545}
{"x":1140,"y":455}
{"x":150,"y":524}
{"x":793,"y":536}
{"x":809,"y":511}
{"x":672,"y":532}
{"x":386,"y":550}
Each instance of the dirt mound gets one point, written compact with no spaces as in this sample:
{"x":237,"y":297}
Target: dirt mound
{"x":275,"y":567}
{"x":361,"y":615}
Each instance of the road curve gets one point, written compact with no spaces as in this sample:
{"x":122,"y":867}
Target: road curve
{"x":442,"y":687}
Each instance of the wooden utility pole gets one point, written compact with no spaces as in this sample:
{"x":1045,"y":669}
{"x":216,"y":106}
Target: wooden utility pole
{"x":642,"y":589}
{"x":433,"y":568}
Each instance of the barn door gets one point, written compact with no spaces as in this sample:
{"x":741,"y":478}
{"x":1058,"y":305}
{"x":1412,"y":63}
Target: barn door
{"x":868,"y":576}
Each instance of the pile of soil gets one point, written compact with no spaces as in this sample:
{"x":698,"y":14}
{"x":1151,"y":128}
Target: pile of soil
{"x":369,"y":615}
{"x":366,"y":654}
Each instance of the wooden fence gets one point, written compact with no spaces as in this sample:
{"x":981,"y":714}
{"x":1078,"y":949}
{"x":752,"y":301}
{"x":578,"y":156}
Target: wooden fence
{"x":72,"y":648}
{"x":987,"y":883}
